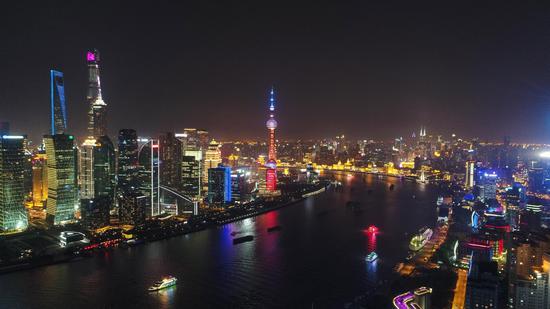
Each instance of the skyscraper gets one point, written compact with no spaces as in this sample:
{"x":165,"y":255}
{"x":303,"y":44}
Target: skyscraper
{"x":190,"y":176}
{"x":482,"y":289}
{"x":271,"y":165}
{"x":170,"y":160}
{"x":104,"y":168}
{"x":470,"y":170}
{"x":97,"y":181}
{"x":212,"y":158}
{"x":62,"y":200}
{"x":149,"y":175}
{"x":86,"y":169}
{"x":132,"y":206}
{"x":97,"y":107}
{"x":39,"y":180}
{"x":95,"y":212}
{"x":128,"y":166}
{"x":219,"y":185}
{"x":57,"y":102}
{"x":13,"y":216}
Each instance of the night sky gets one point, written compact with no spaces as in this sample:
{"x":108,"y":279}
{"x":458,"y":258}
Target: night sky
{"x":365,"y":70}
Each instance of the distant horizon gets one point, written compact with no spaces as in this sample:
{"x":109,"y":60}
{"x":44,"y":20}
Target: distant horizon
{"x":114,"y":137}
{"x":361,"y":69}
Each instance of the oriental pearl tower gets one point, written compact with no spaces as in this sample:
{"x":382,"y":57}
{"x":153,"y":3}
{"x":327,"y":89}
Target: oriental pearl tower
{"x":271,"y":164}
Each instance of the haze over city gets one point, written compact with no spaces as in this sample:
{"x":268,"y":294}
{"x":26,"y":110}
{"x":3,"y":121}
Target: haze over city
{"x":384,"y":69}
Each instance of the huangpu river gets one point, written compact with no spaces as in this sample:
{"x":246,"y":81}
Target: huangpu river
{"x":315,"y":260}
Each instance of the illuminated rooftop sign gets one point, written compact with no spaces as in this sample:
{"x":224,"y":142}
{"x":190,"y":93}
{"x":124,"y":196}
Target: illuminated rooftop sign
{"x":90,"y":56}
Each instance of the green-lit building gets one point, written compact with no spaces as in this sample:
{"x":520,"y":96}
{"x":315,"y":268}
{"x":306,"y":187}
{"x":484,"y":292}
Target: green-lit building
{"x":62,"y":200}
{"x":13,"y":216}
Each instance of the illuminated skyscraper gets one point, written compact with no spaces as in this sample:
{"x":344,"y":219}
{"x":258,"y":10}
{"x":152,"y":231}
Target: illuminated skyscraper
{"x":219,"y":185}
{"x":271,"y":165}
{"x":104,"y":169}
{"x":39,"y":180}
{"x":13,"y":216}
{"x":62,"y":200}
{"x":149,"y":174}
{"x":95,"y":212}
{"x":57,"y":101}
{"x":97,"y":181}
{"x":191,"y":174}
{"x":128,"y":166}
{"x":97,"y":107}
{"x":132,"y":207}
{"x":212,"y":158}
{"x":470,"y":170}
{"x":170,"y":158}
{"x":86,"y":169}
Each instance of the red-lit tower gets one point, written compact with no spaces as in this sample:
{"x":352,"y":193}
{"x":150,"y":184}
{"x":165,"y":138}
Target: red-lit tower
{"x":271,"y":164}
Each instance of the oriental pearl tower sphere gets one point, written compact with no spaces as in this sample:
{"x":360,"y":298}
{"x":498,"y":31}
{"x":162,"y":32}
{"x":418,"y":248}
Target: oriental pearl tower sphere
{"x":271,"y":165}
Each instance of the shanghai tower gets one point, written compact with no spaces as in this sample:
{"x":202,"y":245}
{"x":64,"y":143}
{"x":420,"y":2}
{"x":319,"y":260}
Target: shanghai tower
{"x":97,"y":112}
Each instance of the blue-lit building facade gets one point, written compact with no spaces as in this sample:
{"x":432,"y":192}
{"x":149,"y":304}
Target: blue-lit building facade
{"x":57,"y":103}
{"x":219,"y":185}
{"x":486,"y":184}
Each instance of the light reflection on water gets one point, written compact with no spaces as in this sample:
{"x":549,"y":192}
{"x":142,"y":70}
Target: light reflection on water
{"x":319,"y":254}
{"x":166,"y":296}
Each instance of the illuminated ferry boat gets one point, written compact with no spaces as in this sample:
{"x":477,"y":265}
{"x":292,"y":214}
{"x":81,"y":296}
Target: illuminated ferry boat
{"x":371,"y":257}
{"x":164,"y":283}
{"x":420,"y":239}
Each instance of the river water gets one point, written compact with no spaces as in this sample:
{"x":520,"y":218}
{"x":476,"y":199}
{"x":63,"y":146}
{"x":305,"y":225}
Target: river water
{"x":316,"y":260}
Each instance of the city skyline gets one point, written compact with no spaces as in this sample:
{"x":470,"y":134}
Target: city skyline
{"x":379,"y":78}
{"x":251,"y":155}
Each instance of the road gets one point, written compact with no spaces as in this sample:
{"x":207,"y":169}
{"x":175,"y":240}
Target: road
{"x":460,"y":289}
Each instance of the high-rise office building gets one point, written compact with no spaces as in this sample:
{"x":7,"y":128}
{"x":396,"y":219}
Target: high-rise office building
{"x":13,"y":216}
{"x":203,"y":138}
{"x":132,"y":207}
{"x":149,"y":174}
{"x":238,"y":186}
{"x":212,"y":158}
{"x":219,"y":185}
{"x":95,"y":212}
{"x":128,"y":167}
{"x":532,"y":292}
{"x":97,"y":180}
{"x":170,"y":160}
{"x":86,"y":168}
{"x":470,"y":174}
{"x":97,"y":107}
{"x":104,"y":174}
{"x":62,"y":200}
{"x":27,"y":172}
{"x":486,"y":183}
{"x":57,"y":102}
{"x":191,"y":176}
{"x":482,"y":289}
{"x":39,"y":180}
